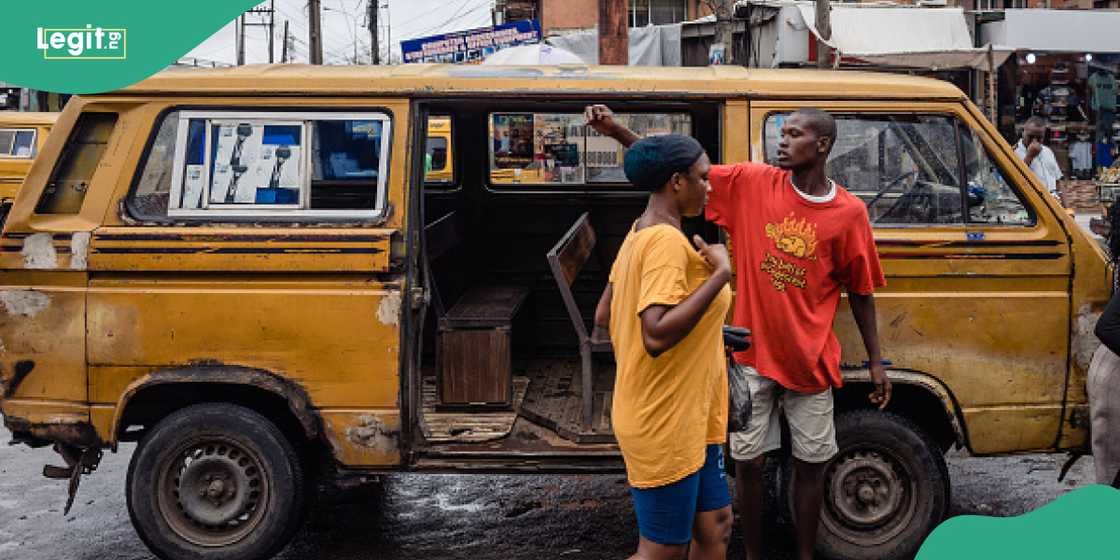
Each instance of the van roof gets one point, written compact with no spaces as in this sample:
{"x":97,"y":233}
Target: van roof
{"x":286,"y":79}
{"x":26,"y":118}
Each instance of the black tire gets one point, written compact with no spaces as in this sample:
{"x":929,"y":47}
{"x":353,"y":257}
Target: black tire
{"x":894,"y":460}
{"x":249,"y":483}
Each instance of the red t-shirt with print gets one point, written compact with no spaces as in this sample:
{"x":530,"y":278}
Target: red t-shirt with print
{"x":792,"y":256}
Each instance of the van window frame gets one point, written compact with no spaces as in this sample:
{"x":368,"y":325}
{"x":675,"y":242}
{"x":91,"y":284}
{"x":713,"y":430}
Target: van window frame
{"x":978,"y":135}
{"x":960,"y":127}
{"x":324,"y":218}
{"x":585,"y":187}
{"x":454,"y":184}
{"x":69,"y":149}
{"x":15,"y":133}
{"x":267,"y":211}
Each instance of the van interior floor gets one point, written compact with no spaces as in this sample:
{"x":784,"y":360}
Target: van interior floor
{"x":547,"y":393}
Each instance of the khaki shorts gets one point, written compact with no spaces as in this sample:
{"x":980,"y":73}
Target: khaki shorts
{"x":811,"y":426}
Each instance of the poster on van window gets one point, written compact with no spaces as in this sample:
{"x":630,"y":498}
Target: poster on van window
{"x":511,"y":137}
{"x":558,"y":144}
{"x":256,"y":164}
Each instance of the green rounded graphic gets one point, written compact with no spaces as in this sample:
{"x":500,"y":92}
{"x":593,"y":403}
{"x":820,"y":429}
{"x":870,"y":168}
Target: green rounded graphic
{"x":1080,"y":524}
{"x":83,"y":46}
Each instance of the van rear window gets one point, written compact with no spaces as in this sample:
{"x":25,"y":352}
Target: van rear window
{"x":214,"y":164}
{"x":70,"y":179}
{"x":559,"y":149}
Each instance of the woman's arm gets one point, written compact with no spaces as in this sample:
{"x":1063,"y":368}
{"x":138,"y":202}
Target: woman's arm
{"x":664,"y":326}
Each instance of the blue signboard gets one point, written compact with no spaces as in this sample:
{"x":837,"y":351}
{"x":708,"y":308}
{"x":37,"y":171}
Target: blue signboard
{"x":471,"y":45}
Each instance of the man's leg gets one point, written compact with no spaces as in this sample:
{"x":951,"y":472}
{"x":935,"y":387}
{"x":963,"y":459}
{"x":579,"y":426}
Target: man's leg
{"x":1104,"y":413}
{"x":812,"y":433}
{"x":749,"y":448}
{"x":712,"y":529}
{"x":749,"y":487}
{"x":808,"y":493}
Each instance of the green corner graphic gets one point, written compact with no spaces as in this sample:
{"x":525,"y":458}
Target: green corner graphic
{"x":1080,"y":524}
{"x":150,"y":35}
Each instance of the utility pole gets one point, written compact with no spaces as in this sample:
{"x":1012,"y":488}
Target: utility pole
{"x":374,"y":45}
{"x":270,"y":23}
{"x":315,"y":39}
{"x":241,"y":40}
{"x":824,"y":32}
{"x":614,"y":32}
{"x":284,"y":47}
{"x":271,"y":30}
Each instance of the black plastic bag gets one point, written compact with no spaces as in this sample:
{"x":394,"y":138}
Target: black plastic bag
{"x":739,"y":389}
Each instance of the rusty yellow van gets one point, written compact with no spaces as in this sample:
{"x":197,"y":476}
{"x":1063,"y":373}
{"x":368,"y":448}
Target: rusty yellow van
{"x":248,"y":272}
{"x":22,"y":135}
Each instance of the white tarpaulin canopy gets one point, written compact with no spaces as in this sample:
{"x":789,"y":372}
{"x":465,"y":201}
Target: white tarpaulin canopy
{"x":530,"y":55}
{"x":1085,"y":31}
{"x":653,"y":45}
{"x":935,"y":38}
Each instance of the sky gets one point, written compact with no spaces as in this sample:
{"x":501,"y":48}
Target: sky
{"x":345,"y":30}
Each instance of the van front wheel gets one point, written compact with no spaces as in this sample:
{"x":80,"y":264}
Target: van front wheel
{"x":215,"y":481}
{"x":885,"y":490}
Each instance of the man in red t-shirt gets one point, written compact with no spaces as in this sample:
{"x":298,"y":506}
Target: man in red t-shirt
{"x":797,"y":238}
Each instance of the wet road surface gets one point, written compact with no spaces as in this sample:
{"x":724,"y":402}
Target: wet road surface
{"x":443,"y":517}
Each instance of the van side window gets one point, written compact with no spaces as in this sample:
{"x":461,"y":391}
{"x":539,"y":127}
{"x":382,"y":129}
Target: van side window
{"x":215,"y":164}
{"x":991,"y":199}
{"x":904,"y":167}
{"x":70,"y":178}
{"x":439,"y":161}
{"x":559,"y":149}
{"x":17,"y":142}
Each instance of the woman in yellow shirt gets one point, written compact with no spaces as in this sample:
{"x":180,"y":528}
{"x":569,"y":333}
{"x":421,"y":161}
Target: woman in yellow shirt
{"x":666,"y":304}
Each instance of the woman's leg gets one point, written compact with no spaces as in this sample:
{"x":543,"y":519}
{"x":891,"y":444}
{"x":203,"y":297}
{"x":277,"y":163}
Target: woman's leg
{"x":665,"y":518}
{"x":711,"y":534}
{"x":711,"y":530}
{"x":649,"y":550}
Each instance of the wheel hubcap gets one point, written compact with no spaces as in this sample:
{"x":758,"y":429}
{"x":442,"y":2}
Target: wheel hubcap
{"x":866,"y":490}
{"x":871,"y":496}
{"x":213,"y":492}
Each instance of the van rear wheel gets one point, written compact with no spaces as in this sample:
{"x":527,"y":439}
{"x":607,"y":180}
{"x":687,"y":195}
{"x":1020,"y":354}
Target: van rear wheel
{"x":215,"y":481}
{"x":885,"y":490}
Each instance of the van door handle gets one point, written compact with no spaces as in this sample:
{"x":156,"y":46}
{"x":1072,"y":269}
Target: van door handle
{"x":421,"y":297}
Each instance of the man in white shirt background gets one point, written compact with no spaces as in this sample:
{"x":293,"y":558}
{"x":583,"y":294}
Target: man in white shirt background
{"x":1038,"y":157}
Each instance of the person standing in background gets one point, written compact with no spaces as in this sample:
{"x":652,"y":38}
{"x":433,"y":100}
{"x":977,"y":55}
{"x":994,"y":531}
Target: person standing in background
{"x":1038,"y":157}
{"x":1102,"y":90}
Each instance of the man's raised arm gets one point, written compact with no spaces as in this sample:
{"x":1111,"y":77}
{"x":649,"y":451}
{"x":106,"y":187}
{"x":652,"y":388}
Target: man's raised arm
{"x":602,"y":120}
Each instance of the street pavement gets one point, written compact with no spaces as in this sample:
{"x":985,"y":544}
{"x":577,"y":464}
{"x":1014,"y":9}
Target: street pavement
{"x":443,"y":517}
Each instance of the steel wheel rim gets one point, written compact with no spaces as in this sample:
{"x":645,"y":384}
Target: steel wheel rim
{"x":870,"y":496}
{"x":213,"y":492}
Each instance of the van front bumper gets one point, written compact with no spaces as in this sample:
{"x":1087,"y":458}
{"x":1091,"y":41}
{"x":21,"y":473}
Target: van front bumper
{"x":39,"y":423}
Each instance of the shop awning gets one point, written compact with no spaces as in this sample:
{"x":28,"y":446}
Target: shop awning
{"x":934,"y":38}
{"x":1083,"y":31}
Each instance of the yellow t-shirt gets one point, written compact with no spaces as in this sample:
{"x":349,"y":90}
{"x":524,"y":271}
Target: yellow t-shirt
{"x":666,"y":409}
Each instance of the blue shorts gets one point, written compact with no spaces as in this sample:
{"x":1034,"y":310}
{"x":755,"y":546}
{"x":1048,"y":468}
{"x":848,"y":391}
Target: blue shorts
{"x":666,"y":513}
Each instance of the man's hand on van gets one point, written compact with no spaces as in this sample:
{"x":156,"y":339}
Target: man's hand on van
{"x":601,"y":118}
{"x":881,"y":396}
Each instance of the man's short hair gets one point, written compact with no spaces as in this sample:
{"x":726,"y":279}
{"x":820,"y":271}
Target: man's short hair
{"x":1035,"y":121}
{"x":821,"y":122}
